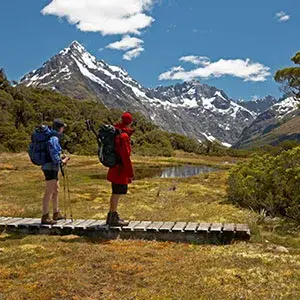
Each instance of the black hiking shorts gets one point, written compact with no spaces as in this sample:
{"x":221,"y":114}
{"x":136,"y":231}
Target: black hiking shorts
{"x":119,"y":189}
{"x":50,"y":175}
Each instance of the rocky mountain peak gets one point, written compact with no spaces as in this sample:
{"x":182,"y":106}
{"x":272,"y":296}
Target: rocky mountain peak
{"x":191,"y":108}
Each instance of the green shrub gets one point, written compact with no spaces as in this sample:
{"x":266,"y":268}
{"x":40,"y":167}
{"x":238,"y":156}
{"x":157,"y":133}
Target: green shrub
{"x":22,"y":109}
{"x":154,"y":143}
{"x":268,"y":182}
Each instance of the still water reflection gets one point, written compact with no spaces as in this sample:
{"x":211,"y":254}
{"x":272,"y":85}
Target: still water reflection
{"x":185,"y":171}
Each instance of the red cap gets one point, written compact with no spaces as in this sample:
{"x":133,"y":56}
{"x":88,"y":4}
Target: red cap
{"x":127,"y":118}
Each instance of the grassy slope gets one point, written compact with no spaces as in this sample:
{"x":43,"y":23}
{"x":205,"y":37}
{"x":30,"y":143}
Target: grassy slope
{"x":286,"y":129}
{"x":77,"y":268}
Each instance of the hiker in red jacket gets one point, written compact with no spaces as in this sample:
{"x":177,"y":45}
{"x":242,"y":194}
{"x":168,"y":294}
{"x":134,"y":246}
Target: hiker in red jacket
{"x":121,"y":174}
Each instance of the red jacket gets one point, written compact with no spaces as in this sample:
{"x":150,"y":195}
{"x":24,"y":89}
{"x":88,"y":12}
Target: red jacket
{"x":122,"y":173}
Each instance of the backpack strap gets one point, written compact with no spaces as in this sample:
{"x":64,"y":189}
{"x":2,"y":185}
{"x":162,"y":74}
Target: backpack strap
{"x":120,"y":131}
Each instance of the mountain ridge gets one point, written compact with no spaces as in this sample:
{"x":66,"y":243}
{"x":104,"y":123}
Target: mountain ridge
{"x":278,"y":123}
{"x":259,"y":105}
{"x":191,"y":108}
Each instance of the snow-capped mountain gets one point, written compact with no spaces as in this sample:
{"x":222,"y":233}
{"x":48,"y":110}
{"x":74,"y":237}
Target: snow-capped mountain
{"x":276,"y":124}
{"x":258,"y":105}
{"x":189,"y":108}
{"x":284,"y":107}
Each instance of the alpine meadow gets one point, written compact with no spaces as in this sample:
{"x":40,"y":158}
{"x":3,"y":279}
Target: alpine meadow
{"x":149,"y":150}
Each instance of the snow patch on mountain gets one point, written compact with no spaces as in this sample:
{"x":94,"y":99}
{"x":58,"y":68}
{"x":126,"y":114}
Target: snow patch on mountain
{"x":218,"y":93}
{"x":285,"y":107}
{"x":85,"y":72}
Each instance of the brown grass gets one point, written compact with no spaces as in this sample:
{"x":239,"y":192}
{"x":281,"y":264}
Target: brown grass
{"x":49,"y":267}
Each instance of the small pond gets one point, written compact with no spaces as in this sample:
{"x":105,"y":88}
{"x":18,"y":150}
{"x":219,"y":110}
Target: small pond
{"x":169,"y":172}
{"x":185,"y":171}
{"x":172,"y":172}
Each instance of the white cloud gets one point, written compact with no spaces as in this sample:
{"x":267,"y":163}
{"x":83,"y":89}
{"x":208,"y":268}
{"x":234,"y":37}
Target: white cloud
{"x":108,"y":17}
{"x":104,"y":16}
{"x":129,"y":55}
{"x":282,"y":16}
{"x":196,"y":60}
{"x":244,"y":69}
{"x":126,"y":43}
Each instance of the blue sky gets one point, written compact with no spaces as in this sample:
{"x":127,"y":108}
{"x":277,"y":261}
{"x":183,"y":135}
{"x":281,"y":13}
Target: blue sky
{"x":209,"y":40}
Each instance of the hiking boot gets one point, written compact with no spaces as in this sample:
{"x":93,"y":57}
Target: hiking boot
{"x":121,"y":220}
{"x":46,"y":220}
{"x":114,"y":220}
{"x":58,"y":216}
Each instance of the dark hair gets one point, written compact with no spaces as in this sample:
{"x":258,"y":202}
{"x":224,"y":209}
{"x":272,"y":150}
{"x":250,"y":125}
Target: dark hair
{"x":57,"y":124}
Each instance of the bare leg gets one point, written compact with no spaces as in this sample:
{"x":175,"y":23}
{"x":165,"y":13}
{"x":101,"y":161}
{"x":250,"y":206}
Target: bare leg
{"x":48,"y":195}
{"x":55,"y":197}
{"x":114,"y":201}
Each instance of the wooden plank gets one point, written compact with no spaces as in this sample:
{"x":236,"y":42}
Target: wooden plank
{"x":229,"y":227}
{"x":4,"y":221}
{"x":242,"y":228}
{"x":74,"y":223}
{"x":12,"y":221}
{"x":142,"y":226}
{"x":62,"y":223}
{"x":242,"y":232}
{"x":191,"y":226}
{"x":100,"y":224}
{"x":45,"y":226}
{"x":204,"y":227}
{"x":155,"y":226}
{"x":20,"y":222}
{"x":229,"y":231}
{"x":131,"y":225}
{"x":85,"y":224}
{"x":114,"y":228}
{"x":216,"y":227}
{"x":179,"y":226}
{"x":167,"y":226}
{"x":35,"y":222}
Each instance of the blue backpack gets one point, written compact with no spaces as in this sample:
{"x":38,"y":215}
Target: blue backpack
{"x":38,"y":149}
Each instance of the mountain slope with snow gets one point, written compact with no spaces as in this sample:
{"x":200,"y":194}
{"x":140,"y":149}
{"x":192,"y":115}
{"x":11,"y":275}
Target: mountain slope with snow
{"x":258,"y":105}
{"x":191,"y":108}
{"x":279,"y":123}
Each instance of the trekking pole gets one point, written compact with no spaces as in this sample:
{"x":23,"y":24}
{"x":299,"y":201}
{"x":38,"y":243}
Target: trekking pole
{"x":90,"y":127}
{"x":65,"y":191}
{"x":69,"y":193}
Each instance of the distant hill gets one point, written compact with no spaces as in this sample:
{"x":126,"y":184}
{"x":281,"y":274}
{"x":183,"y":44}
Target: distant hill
{"x":281,"y":122}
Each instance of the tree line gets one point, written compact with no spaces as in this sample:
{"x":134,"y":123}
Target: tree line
{"x":24,"y":108}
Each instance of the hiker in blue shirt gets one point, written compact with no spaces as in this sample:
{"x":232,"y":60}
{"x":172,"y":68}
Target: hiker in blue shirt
{"x":51,"y":170}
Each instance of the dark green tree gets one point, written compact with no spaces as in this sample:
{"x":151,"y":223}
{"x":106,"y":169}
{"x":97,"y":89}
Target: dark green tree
{"x":290,"y":77}
{"x":4,"y":83}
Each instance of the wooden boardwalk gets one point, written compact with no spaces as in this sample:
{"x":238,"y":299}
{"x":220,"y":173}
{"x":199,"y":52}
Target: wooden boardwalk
{"x":200,"y":233}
